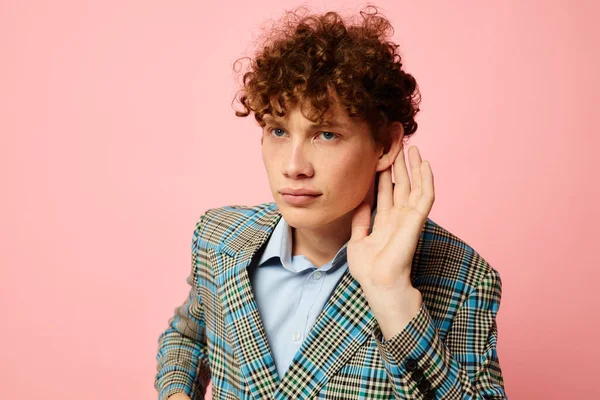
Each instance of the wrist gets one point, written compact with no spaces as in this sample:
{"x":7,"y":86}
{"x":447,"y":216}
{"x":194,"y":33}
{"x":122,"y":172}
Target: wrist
{"x":393,"y":312}
{"x":393,"y":301}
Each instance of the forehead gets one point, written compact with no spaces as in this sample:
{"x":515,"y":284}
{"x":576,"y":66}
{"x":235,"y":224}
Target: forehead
{"x":336,"y":116}
{"x":327,"y":122}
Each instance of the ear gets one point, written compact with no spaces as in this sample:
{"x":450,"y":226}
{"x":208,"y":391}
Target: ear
{"x":396,"y":135}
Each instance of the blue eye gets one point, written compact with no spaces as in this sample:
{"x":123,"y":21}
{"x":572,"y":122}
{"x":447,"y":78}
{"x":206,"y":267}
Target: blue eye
{"x":332,"y":134}
{"x":276,"y":129}
{"x":329,"y":136}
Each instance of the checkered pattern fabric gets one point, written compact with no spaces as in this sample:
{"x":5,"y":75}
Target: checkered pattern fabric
{"x":447,"y":351}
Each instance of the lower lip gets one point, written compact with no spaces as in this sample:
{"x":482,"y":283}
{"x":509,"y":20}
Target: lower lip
{"x":298,"y":200}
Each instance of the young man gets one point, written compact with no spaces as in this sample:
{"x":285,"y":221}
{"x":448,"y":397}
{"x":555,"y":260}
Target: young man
{"x":342,"y":288}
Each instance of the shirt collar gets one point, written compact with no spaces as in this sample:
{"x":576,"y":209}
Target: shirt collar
{"x":280,"y":243}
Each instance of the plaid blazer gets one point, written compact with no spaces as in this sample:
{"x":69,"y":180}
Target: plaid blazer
{"x":447,"y":351}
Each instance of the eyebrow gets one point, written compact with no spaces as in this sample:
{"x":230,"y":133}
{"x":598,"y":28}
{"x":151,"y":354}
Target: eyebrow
{"x":330,"y":124}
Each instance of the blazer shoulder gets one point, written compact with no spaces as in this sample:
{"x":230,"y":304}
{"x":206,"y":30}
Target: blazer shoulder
{"x":217,"y":223}
{"x":442,"y":258}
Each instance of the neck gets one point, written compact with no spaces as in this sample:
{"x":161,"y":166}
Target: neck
{"x":320,"y":245}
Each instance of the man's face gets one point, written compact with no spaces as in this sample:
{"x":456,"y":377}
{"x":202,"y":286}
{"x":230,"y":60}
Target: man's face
{"x":338,"y":162}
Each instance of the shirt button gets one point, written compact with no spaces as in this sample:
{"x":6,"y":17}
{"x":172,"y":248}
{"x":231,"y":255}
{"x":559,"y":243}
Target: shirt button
{"x":317,"y":275}
{"x":297,"y":336}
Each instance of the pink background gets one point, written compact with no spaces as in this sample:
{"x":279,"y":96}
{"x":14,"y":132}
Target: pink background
{"x":117,"y":132}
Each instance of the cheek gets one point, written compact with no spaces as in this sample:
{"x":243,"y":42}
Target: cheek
{"x":267,"y":153}
{"x":349,"y":176}
{"x":270,"y":161}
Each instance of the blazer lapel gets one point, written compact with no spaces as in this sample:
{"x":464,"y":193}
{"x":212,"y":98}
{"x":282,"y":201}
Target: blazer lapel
{"x":343,"y":325}
{"x":242,"y":320}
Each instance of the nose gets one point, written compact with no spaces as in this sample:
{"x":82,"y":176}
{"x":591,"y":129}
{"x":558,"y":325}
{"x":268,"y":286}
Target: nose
{"x":297,"y":162}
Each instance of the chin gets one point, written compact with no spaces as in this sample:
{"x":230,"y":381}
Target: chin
{"x":310,"y":217}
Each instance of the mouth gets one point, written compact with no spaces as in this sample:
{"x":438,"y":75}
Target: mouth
{"x":299,"y":199}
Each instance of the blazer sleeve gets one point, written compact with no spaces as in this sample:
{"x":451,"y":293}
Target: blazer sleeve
{"x":182,"y":359}
{"x":464,"y":366}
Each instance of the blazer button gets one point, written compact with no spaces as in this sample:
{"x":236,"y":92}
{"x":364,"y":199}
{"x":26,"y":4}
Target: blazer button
{"x":424,"y":386}
{"x":411,"y":364}
{"x":417,"y":375}
{"x":430,"y":395}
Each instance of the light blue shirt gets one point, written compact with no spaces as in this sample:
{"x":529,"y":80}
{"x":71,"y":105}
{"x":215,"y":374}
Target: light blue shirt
{"x":291,"y":292}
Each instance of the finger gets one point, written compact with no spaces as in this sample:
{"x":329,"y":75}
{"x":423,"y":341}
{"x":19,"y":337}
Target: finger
{"x":402,"y":186}
{"x":361,"y":221}
{"x":414,"y":158}
{"x":384,"y":191}
{"x":427,"y":189}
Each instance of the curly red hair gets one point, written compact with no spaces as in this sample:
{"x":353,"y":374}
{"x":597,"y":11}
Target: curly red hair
{"x":317,"y":59}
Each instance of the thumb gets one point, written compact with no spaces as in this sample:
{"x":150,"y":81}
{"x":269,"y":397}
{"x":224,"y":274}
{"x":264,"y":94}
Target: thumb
{"x":361,"y":221}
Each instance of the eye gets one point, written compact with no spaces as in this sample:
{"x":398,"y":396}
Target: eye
{"x":279,"y":132}
{"x":329,"y":136}
{"x":271,"y":130}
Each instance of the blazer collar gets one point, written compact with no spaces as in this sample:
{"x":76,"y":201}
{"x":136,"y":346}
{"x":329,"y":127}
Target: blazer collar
{"x":343,"y":325}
